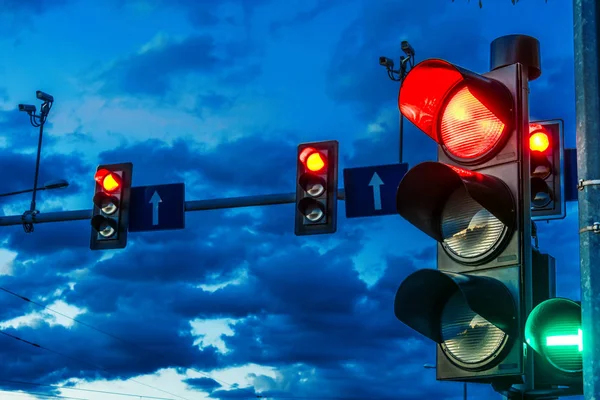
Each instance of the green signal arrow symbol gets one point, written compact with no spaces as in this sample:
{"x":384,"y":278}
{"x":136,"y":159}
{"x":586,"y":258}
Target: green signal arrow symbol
{"x":566,"y":340}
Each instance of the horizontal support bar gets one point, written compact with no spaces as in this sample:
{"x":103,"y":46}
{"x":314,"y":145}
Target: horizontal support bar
{"x":193,"y":205}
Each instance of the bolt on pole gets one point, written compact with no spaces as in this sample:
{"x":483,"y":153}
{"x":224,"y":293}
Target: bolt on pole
{"x":587,"y":91}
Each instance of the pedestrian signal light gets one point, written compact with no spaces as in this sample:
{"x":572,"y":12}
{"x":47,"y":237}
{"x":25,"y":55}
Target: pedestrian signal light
{"x":316,"y":188}
{"x":110,"y":218}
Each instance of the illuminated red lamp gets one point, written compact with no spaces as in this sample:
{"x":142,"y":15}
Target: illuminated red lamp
{"x":538,"y":139}
{"x":313,"y":160}
{"x":109,"y":181}
{"x":470,"y":115}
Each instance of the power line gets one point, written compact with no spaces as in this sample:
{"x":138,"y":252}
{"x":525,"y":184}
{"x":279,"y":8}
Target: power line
{"x":48,"y":396}
{"x":83,"y":362}
{"x":86,"y":390}
{"x":254,"y":395}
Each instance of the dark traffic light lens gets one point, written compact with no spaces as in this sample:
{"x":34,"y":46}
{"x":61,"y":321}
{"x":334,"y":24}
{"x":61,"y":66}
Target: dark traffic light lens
{"x":468,"y":337}
{"x":313,"y":185}
{"x":106,"y":227}
{"x":541,"y":195}
{"x":468,"y":229}
{"x":313,"y":210}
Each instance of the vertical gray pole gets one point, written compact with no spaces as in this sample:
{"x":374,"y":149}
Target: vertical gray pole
{"x":401,"y":138}
{"x":585,"y":18}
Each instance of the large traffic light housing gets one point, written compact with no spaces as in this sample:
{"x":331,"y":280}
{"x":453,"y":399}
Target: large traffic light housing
{"x":316,"y":188}
{"x":472,"y":202}
{"x":546,"y":142}
{"x":110,"y":217}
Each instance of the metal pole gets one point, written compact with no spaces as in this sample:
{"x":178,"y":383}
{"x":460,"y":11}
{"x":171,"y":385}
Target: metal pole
{"x":587,"y":91}
{"x":37,"y":163}
{"x":401,"y":137}
{"x":193,"y":205}
{"x":465,"y":391}
{"x":18,"y":192}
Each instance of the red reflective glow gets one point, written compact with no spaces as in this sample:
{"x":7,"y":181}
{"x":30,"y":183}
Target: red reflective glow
{"x":109,"y":181}
{"x":423,"y":90}
{"x":539,"y":141}
{"x":465,"y":173}
{"x":312,"y":159}
{"x":468,"y":128}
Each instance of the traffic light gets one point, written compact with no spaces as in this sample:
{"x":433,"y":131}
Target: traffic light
{"x":110,"y":217}
{"x":316,"y":188}
{"x":546,"y":142}
{"x":553,"y":331}
{"x":472,"y":202}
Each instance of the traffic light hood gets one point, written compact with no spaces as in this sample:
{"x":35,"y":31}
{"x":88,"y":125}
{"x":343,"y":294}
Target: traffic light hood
{"x":426,"y":187}
{"x":422,"y":295}
{"x":430,"y":85}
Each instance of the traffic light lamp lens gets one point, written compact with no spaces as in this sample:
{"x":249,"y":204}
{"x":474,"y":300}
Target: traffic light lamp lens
{"x":313,"y":210}
{"x":468,"y":229}
{"x":106,"y":227}
{"x":541,"y":195}
{"x":315,"y":162}
{"x":313,"y":185}
{"x":468,"y":129}
{"x":468,"y":337}
{"x":539,"y":141}
{"x":109,"y":181}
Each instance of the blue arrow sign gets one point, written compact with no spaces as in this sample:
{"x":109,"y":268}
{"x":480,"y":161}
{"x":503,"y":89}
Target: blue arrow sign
{"x":371,"y":191}
{"x":157,"y":208}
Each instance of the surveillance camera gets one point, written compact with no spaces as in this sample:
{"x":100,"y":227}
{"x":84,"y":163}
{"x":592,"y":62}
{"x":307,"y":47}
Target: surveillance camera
{"x":386,"y":62}
{"x":407,"y":48}
{"x":44,"y":96}
{"x":27,"y":108}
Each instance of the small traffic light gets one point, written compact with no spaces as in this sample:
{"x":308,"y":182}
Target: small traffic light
{"x":546,"y":142}
{"x":553,"y":331}
{"x":472,"y":203}
{"x":316,"y":188}
{"x":110,"y":217}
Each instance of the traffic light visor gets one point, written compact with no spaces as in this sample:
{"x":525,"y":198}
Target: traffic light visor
{"x":108,"y":180}
{"x":458,"y":311}
{"x":553,"y":329}
{"x":468,"y":114}
{"x":471,"y":214}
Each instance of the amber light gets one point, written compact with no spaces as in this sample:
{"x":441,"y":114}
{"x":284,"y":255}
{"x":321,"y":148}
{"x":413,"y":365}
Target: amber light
{"x":312,"y":159}
{"x":539,"y":141}
{"x":108,"y":180}
{"x":468,"y":128}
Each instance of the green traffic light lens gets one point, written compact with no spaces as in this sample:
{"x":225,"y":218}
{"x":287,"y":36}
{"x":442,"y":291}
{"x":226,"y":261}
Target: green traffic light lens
{"x":553,"y":329}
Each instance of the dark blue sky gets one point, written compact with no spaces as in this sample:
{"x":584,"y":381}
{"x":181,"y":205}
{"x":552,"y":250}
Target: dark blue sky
{"x":217,"y":94}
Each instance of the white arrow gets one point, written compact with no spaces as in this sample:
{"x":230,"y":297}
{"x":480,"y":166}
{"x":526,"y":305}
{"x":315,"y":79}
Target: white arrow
{"x":155,"y":200}
{"x":376,"y":183}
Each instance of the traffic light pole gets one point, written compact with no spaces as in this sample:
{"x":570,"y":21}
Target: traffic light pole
{"x":192,"y":205}
{"x":587,"y":90}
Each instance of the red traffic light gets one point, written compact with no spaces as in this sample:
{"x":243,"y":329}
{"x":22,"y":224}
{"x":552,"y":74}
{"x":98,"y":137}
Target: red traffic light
{"x":109,"y":181}
{"x":313,"y":160}
{"x":468,"y":114}
{"x":538,"y":139}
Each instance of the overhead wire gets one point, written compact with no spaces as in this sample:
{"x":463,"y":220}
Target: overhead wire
{"x":251,"y":393}
{"x":45,"y":395}
{"x":83,"y":362}
{"x":26,"y":299}
{"x":85,"y":390}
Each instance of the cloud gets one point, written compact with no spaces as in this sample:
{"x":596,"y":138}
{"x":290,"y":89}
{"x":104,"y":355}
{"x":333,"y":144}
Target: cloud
{"x":204,"y":384}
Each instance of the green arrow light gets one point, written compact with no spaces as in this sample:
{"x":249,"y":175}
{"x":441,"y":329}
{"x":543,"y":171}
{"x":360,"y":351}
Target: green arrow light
{"x":566,"y":340}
